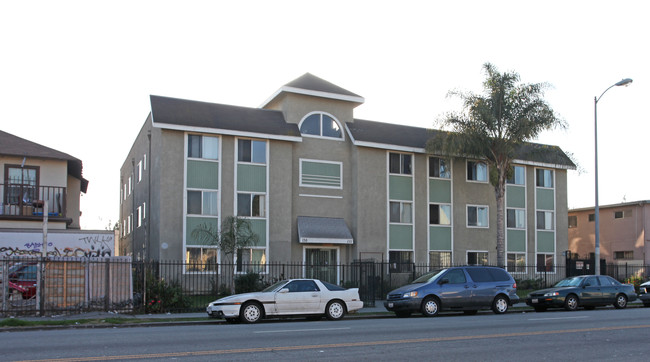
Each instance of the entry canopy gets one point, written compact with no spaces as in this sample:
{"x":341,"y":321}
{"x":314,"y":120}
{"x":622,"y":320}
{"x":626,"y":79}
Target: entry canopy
{"x":323,"y":230}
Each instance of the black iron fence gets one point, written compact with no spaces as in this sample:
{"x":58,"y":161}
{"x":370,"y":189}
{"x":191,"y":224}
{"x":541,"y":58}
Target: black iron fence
{"x":72,"y":285}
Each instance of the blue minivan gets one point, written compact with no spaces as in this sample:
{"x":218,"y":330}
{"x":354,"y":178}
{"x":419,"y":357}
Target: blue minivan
{"x":464,"y":288}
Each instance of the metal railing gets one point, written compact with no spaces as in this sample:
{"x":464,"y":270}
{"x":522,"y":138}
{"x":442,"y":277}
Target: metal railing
{"x":17,"y":200}
{"x":72,"y":285}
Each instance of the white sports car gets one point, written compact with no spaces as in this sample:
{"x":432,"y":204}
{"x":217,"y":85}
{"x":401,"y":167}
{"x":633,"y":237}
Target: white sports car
{"x":309,"y":297}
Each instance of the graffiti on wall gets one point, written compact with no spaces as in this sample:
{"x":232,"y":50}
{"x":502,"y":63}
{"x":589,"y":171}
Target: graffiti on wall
{"x":60,"y":244}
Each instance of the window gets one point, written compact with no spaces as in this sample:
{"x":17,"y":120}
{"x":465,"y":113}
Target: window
{"x":516,"y":262}
{"x":545,"y":262}
{"x":618,"y":214}
{"x":573,"y":221}
{"x":251,"y":260}
{"x":516,"y":218}
{"x":456,"y":276}
{"x":592,"y":217}
{"x":251,"y":205}
{"x":320,"y":174}
{"x":400,"y":212}
{"x":400,"y":261}
{"x":144,"y":161}
{"x":518,"y":176}
{"x":439,"y":214}
{"x":476,"y":171}
{"x":199,"y":259}
{"x":399,"y":163}
{"x":544,"y":178}
{"x":477,"y":258}
{"x":477,"y":216}
{"x":21,"y":184}
{"x":206,"y":147}
{"x":438,"y":167}
{"x":624,"y":255}
{"x":125,"y":192}
{"x":202,"y":202}
{"x":139,"y":216}
{"x":545,"y":220}
{"x":251,"y":151}
{"x":322,"y":125}
{"x":440,"y":259}
{"x":139,"y":171}
{"x":144,"y":210}
{"x":130,"y":185}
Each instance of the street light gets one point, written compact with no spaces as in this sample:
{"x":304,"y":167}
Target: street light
{"x":624,"y":82}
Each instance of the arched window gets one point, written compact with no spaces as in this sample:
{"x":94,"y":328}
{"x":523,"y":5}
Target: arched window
{"x":321,"y":125}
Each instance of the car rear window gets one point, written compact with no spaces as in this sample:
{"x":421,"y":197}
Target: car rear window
{"x":331,"y":286}
{"x":479,"y":275}
{"x":499,"y":275}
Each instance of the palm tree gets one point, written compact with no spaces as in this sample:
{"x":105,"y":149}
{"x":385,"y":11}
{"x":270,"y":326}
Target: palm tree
{"x":236,"y":234}
{"x":494,"y":126}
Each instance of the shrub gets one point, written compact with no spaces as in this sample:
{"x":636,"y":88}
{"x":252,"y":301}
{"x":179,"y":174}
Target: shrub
{"x":164,"y":296}
{"x":634,"y":280}
{"x":249,"y":282}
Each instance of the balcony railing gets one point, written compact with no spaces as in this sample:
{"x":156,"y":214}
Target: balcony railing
{"x":20,"y":201}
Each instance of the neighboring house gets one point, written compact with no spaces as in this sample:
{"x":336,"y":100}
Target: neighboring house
{"x":622,"y":232}
{"x":35,"y":178}
{"x":320,"y":186}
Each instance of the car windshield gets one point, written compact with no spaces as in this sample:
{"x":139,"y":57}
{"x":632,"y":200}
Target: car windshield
{"x":275,"y":286}
{"x":569,"y":282}
{"x":430,"y":276}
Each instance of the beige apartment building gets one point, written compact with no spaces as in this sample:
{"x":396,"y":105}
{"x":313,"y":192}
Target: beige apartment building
{"x":321,"y":186}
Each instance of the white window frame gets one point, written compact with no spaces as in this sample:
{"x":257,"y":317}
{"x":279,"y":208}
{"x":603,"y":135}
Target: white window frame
{"x":401,"y":212}
{"x":552,"y":178}
{"x":202,"y":158}
{"x":545,"y":212}
{"x":523,"y":182}
{"x":252,"y":194}
{"x":252,"y":140}
{"x":487,"y":211}
{"x":554,"y":268}
{"x":139,"y":171}
{"x":487,"y":171}
{"x":439,"y":204}
{"x":320,"y":122}
{"x":401,"y":163}
{"x":524,"y":271}
{"x":477,"y":251}
{"x":515,"y":227}
{"x":448,"y":168}
{"x":139,"y":216}
{"x":301,"y":184}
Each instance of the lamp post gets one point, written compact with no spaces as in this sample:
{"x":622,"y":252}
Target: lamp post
{"x":624,"y":82}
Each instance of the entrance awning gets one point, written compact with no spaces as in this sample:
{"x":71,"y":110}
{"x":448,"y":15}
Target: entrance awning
{"x":323,"y":230}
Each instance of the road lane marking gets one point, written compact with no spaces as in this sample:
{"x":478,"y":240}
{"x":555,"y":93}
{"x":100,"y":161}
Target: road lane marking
{"x":335,"y":345}
{"x":550,"y":319}
{"x":303,"y":330}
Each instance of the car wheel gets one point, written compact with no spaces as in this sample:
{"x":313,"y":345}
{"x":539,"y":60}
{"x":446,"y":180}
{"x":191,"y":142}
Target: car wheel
{"x":621,"y":301}
{"x":335,"y":310}
{"x":250,"y":312}
{"x":500,"y":304}
{"x":540,"y":309}
{"x":571,"y":302}
{"x":470,"y":312}
{"x":403,"y":314}
{"x":430,"y":307}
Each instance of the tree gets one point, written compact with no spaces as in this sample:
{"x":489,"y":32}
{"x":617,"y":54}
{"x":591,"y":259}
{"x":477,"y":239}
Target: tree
{"x":236,"y":234}
{"x":494,"y":126}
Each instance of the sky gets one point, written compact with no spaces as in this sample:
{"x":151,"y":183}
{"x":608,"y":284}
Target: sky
{"x":76,"y":75}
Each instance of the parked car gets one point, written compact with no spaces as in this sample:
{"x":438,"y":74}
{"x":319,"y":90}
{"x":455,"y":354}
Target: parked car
{"x":644,"y":293}
{"x":306,"y":297}
{"x":588,"y":291}
{"x":22,"y":279}
{"x":467,"y":288}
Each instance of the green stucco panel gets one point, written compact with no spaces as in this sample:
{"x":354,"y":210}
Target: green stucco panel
{"x":192,"y":223}
{"x":516,"y":240}
{"x":516,"y":196}
{"x":440,"y":191}
{"x":259,"y":227}
{"x":321,"y":174}
{"x":202,"y":175}
{"x":251,"y":178}
{"x":545,"y":199}
{"x":439,"y":238}
{"x":400,"y":188}
{"x":545,"y":242}
{"x":400,"y":237}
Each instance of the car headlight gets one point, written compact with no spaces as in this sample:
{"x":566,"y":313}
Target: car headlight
{"x":410,"y":295}
{"x":552,"y":294}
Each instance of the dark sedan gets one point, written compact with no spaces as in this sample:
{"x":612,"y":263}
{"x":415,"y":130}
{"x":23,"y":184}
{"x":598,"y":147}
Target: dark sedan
{"x":588,"y":291}
{"x":644,"y":294}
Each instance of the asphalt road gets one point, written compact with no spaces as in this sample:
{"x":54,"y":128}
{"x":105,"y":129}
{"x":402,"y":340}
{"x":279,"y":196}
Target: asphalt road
{"x":602,"y":334}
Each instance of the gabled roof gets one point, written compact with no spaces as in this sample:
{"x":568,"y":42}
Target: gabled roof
{"x":11,"y":145}
{"x":414,"y":139}
{"x":190,"y":115}
{"x":309,"y":84}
